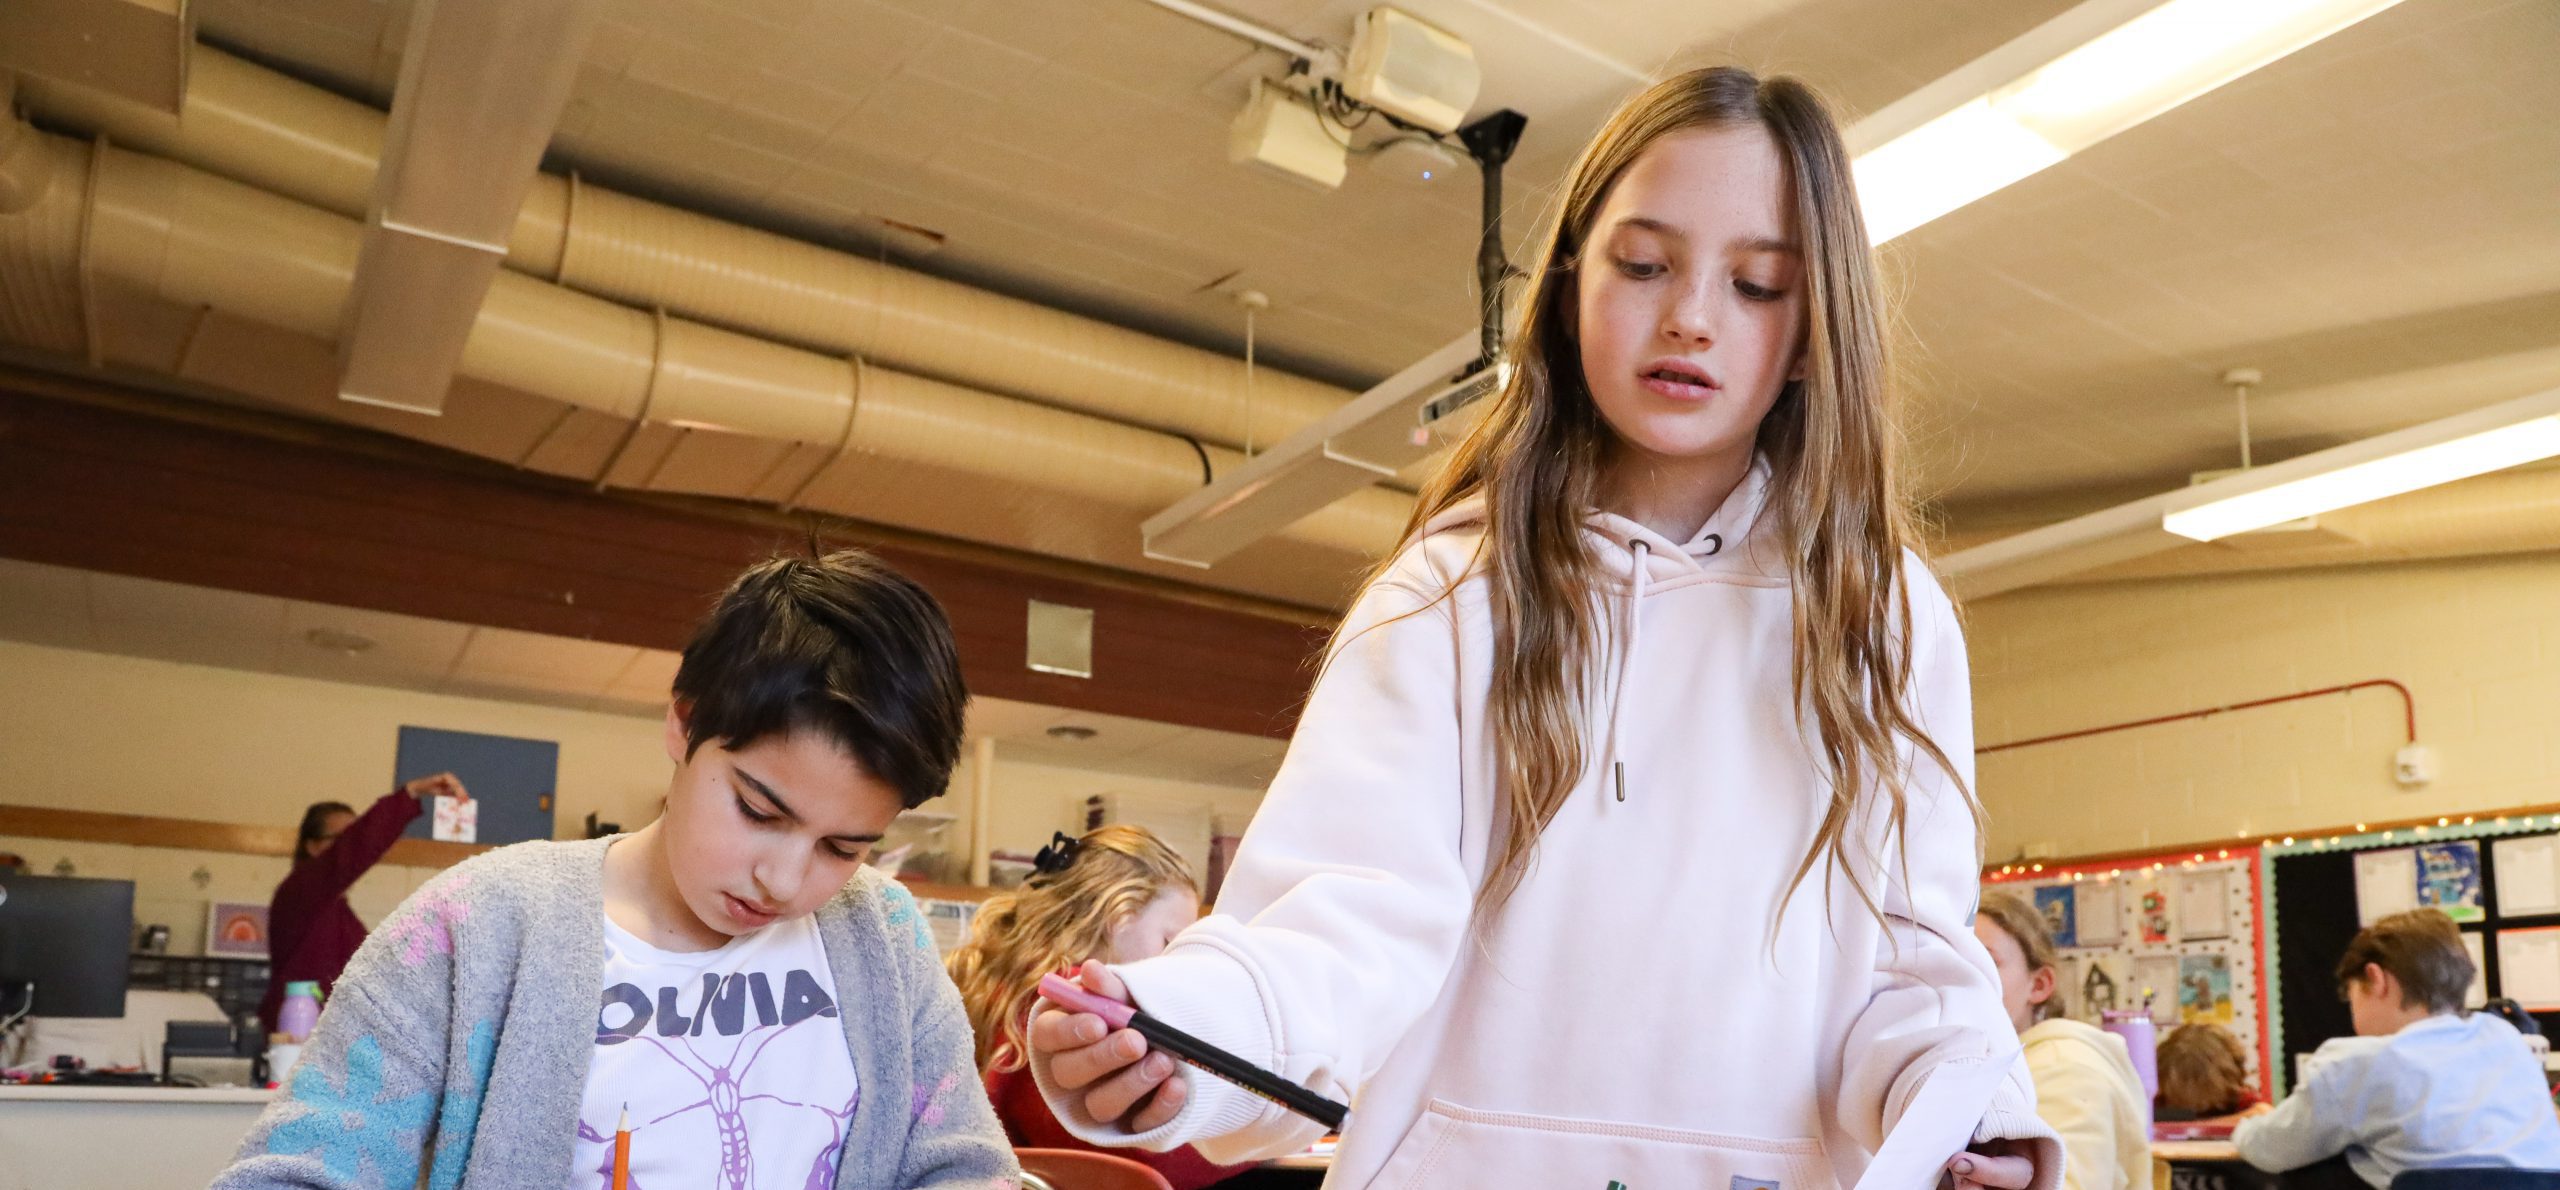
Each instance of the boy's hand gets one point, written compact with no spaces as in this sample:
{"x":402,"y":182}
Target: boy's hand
{"x":439,"y":785}
{"x":1997,"y":1165}
{"x":1113,"y":1070}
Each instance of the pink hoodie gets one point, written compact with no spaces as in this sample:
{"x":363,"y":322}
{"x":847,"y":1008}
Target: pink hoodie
{"x":1629,"y":1016}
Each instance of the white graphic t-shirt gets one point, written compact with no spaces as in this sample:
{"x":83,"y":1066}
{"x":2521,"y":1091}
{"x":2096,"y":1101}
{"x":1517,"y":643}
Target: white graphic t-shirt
{"x":732,"y":1061}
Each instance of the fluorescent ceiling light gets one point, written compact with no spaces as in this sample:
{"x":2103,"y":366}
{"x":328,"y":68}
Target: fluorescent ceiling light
{"x":2130,"y":73}
{"x":1944,"y":164}
{"x":2375,"y":479}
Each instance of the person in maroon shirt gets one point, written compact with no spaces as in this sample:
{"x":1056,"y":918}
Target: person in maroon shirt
{"x":311,"y":930}
{"x":1116,"y":895}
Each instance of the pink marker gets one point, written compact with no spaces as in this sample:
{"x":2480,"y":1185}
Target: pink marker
{"x":1072,"y":996}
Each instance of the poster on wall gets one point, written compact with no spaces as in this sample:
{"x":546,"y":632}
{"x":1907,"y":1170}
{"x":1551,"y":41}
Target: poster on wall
{"x":2155,"y":980}
{"x":2101,"y":913}
{"x":2386,"y":883}
{"x":2204,"y":903}
{"x":2449,"y":878}
{"x":2055,"y":903}
{"x":235,"y":929}
{"x":2154,"y":907}
{"x":2204,"y":989}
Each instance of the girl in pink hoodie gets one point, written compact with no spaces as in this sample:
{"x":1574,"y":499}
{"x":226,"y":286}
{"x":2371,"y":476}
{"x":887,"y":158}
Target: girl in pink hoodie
{"x":1627,"y":837}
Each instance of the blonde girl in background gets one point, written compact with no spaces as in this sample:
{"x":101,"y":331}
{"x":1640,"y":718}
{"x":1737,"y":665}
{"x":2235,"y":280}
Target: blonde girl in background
{"x":2086,"y":1086}
{"x":1627,"y":834}
{"x":1117,"y":895}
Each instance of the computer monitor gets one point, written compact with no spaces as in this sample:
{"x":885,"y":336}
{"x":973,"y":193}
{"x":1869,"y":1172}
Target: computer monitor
{"x":69,"y":937}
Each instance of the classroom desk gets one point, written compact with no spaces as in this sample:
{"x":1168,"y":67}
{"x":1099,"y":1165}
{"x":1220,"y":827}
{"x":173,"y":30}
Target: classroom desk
{"x":121,"y":1138}
{"x":2199,"y":1157}
{"x":2194,"y":1150}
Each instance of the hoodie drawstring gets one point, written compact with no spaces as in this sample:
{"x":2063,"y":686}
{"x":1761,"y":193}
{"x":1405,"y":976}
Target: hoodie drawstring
{"x":1626,"y":661}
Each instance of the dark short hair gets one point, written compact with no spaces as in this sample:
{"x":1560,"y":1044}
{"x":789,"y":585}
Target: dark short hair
{"x":315,"y":820}
{"x":2420,"y":948}
{"x":840,"y":645}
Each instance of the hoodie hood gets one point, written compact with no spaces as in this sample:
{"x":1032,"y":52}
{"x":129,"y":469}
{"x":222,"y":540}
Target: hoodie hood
{"x":1737,"y":542}
{"x":1734,"y":545}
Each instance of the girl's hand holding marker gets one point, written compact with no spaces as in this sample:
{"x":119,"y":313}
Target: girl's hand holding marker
{"x":1111,"y":1068}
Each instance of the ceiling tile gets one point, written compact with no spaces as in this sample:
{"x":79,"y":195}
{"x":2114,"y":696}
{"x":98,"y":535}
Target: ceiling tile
{"x":406,"y":650}
{"x":197,"y":625}
{"x":507,"y":659}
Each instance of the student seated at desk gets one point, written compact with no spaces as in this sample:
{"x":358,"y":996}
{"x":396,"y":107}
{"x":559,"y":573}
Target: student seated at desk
{"x":2421,"y":1085}
{"x":726,"y":997}
{"x":1118,"y":895}
{"x":2204,"y":1075}
{"x":2086,"y":1087}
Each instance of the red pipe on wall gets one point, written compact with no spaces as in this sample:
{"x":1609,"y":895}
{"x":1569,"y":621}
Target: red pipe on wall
{"x":2409,"y":712}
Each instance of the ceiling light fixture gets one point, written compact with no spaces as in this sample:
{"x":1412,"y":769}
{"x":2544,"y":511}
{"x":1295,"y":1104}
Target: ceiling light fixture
{"x":2424,"y":460}
{"x":333,"y":640}
{"x":2089,"y":74}
{"x":2467,"y":444}
{"x":1073,"y":733}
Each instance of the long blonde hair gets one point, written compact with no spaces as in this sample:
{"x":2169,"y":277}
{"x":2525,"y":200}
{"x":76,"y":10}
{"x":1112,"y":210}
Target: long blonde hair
{"x":1055,"y":919}
{"x":1537,"y":455}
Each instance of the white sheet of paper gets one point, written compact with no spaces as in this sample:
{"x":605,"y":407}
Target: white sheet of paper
{"x":2528,"y":875}
{"x":2159,"y":973}
{"x":2479,"y":990}
{"x":2101,"y":913}
{"x":2204,"y":904}
{"x":457,"y":821}
{"x":2386,"y":883}
{"x":2529,"y":968}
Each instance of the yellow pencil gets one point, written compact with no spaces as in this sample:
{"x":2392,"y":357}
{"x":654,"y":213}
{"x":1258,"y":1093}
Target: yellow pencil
{"x":622,"y":1150}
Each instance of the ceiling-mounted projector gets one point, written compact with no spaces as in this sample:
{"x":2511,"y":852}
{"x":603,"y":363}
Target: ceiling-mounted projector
{"x":1280,"y":129}
{"x":1417,"y":72}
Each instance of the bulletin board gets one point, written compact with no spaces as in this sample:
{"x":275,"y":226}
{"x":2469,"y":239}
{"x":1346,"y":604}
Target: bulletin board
{"x":2187,"y":927}
{"x":2498,"y":878}
{"x":512,"y":779}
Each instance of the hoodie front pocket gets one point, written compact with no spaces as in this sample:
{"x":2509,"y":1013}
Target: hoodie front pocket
{"x":1453,"y":1146}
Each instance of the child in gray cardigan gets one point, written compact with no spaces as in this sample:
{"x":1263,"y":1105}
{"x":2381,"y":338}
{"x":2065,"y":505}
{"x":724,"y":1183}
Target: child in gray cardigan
{"x":499,"y":1028}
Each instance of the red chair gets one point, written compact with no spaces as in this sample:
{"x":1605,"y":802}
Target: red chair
{"x":1069,"y":1169}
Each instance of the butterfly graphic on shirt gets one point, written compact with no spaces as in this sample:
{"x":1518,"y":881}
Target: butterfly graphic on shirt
{"x":735,"y":1005}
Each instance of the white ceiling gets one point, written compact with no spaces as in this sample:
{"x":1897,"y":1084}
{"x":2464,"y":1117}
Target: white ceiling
{"x":79,"y":609}
{"x":2371,"y":221}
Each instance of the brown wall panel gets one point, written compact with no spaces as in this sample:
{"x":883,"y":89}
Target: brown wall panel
{"x":119,"y":490}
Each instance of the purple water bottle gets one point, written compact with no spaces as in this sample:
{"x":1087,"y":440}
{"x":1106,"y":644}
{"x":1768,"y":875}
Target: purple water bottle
{"x":301,"y":1009}
{"x":2141,"y":1041}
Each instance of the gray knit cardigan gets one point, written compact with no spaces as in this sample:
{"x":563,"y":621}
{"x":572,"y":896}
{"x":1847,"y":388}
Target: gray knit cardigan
{"x":453,"y":1054}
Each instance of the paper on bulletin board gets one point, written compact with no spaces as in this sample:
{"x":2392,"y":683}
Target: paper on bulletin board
{"x":2386,"y":883}
{"x":2528,"y":875}
{"x":2105,"y":985}
{"x":2157,"y":976}
{"x":2154,"y":915}
{"x":2055,"y":904}
{"x":2478,"y":993}
{"x":2204,"y":904}
{"x":457,"y":820}
{"x":2101,"y":912}
{"x":2449,"y":878}
{"x":2529,"y":968}
{"x":2204,"y":989}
